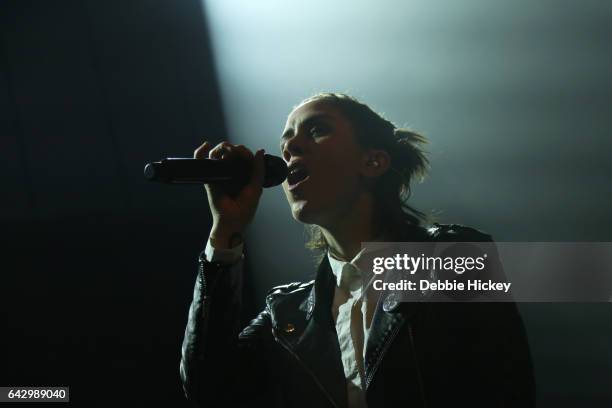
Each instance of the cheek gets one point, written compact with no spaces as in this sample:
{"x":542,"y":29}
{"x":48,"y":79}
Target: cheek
{"x":341,"y":173}
{"x":336,"y":188}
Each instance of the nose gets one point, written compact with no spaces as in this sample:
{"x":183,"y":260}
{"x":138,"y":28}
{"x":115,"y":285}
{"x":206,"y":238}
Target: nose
{"x":294,"y":146}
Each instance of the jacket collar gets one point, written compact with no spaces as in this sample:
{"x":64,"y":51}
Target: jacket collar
{"x":318,"y":346}
{"x":390,"y":316}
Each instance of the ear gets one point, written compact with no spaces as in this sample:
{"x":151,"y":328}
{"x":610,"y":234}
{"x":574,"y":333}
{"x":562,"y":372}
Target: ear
{"x":375,"y":163}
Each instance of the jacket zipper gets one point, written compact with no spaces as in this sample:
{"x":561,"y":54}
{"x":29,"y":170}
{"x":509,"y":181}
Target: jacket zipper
{"x":201,"y":279}
{"x":283,"y":343}
{"x":380,"y":356}
{"x":418,"y":368}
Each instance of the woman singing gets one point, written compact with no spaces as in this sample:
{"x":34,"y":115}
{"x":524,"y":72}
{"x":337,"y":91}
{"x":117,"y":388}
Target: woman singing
{"x":324,"y":343}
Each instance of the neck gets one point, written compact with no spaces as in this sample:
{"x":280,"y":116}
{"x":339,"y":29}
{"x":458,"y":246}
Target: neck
{"x":345,"y":235}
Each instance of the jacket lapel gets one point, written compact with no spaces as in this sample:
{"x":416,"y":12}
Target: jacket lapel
{"x":317,"y":345}
{"x":389,"y":317}
{"x":384,"y":328}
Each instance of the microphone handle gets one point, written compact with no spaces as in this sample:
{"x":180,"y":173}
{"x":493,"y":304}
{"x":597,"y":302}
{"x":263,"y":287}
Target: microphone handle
{"x":235,"y":172}
{"x":200,"y":171}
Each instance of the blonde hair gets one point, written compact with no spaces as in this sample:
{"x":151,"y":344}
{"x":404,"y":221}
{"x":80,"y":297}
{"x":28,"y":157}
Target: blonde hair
{"x":408,"y":164}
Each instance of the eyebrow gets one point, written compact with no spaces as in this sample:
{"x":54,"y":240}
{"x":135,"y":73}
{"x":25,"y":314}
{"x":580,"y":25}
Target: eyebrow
{"x":314,"y":118}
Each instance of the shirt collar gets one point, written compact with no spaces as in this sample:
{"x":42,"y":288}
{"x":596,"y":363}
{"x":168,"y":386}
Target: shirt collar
{"x":338,"y":266}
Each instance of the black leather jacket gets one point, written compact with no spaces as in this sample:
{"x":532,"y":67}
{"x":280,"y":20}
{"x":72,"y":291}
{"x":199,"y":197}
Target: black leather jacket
{"x":417,"y":354}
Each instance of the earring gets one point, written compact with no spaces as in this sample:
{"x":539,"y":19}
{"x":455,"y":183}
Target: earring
{"x":375,"y":163}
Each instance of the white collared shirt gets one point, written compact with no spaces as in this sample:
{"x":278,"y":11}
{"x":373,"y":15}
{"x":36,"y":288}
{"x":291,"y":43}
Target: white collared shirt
{"x":350,"y":313}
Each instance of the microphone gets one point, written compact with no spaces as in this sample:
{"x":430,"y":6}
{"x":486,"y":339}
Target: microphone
{"x":204,"y":171}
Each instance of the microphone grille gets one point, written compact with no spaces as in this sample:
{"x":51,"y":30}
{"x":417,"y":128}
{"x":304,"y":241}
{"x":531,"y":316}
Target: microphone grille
{"x":276,"y":170}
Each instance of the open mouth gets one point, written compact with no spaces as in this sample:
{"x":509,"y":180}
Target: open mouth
{"x":297,"y":174}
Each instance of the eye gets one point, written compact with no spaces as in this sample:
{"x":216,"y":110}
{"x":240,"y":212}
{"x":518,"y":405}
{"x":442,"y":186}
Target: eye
{"x":318,"y":130}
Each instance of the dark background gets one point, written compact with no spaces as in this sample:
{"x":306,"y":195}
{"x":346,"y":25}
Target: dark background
{"x":97,"y":265}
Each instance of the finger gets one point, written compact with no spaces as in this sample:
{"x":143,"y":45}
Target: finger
{"x":202,"y":151}
{"x":254,"y":187}
{"x":221,"y":151}
{"x":243,"y":152}
{"x":257,"y":179}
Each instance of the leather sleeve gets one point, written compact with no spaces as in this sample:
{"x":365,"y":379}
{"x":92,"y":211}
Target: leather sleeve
{"x":218,"y":366}
{"x":489,"y":363}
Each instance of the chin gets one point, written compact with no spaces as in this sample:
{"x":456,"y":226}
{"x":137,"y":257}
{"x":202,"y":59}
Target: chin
{"x":306,"y":213}
{"x":303,"y":212}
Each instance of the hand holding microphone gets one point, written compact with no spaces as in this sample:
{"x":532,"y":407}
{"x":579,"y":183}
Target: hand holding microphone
{"x":232,"y":207}
{"x":237,"y":170}
{"x":233,"y":177}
